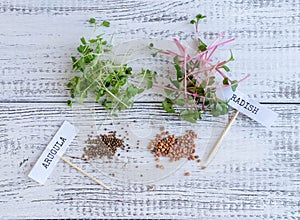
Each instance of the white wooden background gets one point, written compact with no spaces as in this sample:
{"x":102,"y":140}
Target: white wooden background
{"x":256,"y":174}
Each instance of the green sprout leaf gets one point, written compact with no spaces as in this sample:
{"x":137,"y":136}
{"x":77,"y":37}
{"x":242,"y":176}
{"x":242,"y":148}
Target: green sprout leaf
{"x":106,"y":23}
{"x":70,"y":103}
{"x":83,"y":41}
{"x":168,"y":105}
{"x":234,"y":87}
{"x":194,"y":84}
{"x":92,"y":20}
{"x":226,"y":68}
{"x":231,"y":58}
{"x":226,"y":81}
{"x":103,"y":79}
{"x":180,"y":102}
{"x":168,"y":92}
{"x":202,"y":46}
{"x":200,"y":16}
{"x":180,"y":74}
{"x":190,"y":115}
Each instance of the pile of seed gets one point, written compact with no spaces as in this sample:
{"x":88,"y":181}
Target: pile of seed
{"x":166,"y":145}
{"x":103,"y":145}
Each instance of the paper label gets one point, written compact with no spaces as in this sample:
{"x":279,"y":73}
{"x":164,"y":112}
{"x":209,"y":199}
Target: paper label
{"x":51,"y":155}
{"x":247,"y":106}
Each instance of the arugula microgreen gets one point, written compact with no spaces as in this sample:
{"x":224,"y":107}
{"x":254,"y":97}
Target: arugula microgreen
{"x":108,"y":82}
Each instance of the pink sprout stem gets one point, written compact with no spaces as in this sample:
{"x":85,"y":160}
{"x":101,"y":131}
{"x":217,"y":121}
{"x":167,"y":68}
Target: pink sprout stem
{"x":226,"y":86}
{"x":180,"y":47}
{"x":218,"y":38}
{"x":185,"y":77}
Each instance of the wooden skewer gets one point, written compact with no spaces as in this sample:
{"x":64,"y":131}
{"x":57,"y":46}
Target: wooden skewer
{"x":217,"y":144}
{"x":84,"y":173}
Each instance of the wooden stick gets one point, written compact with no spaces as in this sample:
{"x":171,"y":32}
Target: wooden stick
{"x":217,"y":144}
{"x":84,"y":173}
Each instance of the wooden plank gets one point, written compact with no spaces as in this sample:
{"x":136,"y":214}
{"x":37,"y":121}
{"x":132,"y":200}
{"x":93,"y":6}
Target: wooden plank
{"x":255,"y":175}
{"x":45,"y":35}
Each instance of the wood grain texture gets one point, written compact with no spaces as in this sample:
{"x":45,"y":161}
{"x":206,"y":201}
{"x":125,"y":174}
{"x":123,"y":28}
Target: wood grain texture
{"x":38,"y":39}
{"x":256,"y":173}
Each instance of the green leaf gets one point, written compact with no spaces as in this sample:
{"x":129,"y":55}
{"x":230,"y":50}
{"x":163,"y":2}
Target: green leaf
{"x":167,"y":91}
{"x":168,"y":105}
{"x":132,"y":90}
{"x":226,"y":81}
{"x":92,"y":20}
{"x":175,"y":83}
{"x":149,"y":84}
{"x":225,"y":108}
{"x":226,"y":68}
{"x":98,"y":49}
{"x":211,"y":80}
{"x":180,"y":102}
{"x":234,"y":87}
{"x":70,"y":103}
{"x":93,"y":41}
{"x":128,"y":70}
{"x":190,"y":115}
{"x":200,"y":16}
{"x":151,"y":45}
{"x":202,"y":46}
{"x":150,"y":77}
{"x":219,"y":108}
{"x":180,"y":74}
{"x":231,"y":56}
{"x":154,"y":54}
{"x":200,"y":90}
{"x":100,"y":93}
{"x":106,"y":23}
{"x":74,"y":60}
{"x":102,"y":78}
{"x":80,"y":49}
{"x":193,"y":22}
{"x":83,"y":41}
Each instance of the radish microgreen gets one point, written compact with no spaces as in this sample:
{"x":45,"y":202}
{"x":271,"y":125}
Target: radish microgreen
{"x":194,"y":88}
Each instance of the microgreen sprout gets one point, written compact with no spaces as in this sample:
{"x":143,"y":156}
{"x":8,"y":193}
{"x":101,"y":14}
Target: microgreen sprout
{"x":196,"y":79}
{"x":196,"y":20}
{"x":108,"y":82}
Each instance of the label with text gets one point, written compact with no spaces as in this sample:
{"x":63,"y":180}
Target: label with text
{"x":51,"y":155}
{"x":247,"y":106}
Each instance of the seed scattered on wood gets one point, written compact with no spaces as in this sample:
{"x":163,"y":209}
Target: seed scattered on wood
{"x":187,"y":174}
{"x":160,"y":166}
{"x":151,"y":187}
{"x":166,"y":145}
{"x":101,"y":146}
